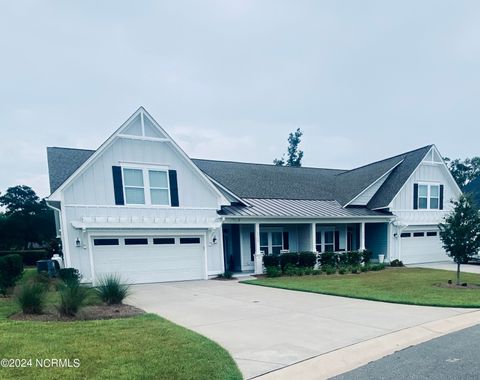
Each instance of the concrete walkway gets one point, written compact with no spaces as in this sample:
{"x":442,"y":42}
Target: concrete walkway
{"x":266,"y":329}
{"x":449,"y":265}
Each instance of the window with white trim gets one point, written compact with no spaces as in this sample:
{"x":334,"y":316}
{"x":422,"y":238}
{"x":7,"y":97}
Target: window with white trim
{"x":429,"y":197}
{"x":134,"y":186}
{"x":146,"y":186}
{"x":159,"y":193}
{"x":434,"y":197}
{"x":422,"y":196}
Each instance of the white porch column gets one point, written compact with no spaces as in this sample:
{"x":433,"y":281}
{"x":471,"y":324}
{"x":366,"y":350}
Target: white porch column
{"x":362,"y":236}
{"x":258,"y":264}
{"x":313,"y":231}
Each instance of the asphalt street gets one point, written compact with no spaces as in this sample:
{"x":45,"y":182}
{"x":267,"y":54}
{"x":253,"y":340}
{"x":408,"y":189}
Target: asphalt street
{"x":454,"y":356}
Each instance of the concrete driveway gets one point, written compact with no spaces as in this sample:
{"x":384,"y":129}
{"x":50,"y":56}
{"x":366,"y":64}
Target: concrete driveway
{"x":449,"y":265}
{"x":266,"y":329}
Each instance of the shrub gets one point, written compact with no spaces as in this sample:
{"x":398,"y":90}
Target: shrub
{"x":342,"y":269}
{"x":29,"y":257}
{"x":328,"y":259}
{"x":307,"y":259}
{"x":328,"y":269}
{"x":271,"y":261}
{"x":377,"y":267}
{"x":11,"y":269}
{"x":316,"y":272}
{"x":288,"y":258}
{"x":273,"y":272}
{"x":31,"y":297}
{"x":70,"y":275}
{"x":290,"y":270}
{"x":308,"y":271}
{"x":72,"y":298}
{"x":342,"y":259}
{"x":226,"y":275}
{"x":366,"y":256}
{"x":111,"y":290}
{"x":353,"y":257}
{"x":355,"y":269}
{"x":365,"y":268}
{"x":396,"y":263}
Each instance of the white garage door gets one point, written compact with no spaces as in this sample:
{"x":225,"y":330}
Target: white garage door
{"x":421,"y":246}
{"x":142,"y":259}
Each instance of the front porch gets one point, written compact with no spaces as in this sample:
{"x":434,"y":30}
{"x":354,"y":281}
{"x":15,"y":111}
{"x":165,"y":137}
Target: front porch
{"x":241,"y":241}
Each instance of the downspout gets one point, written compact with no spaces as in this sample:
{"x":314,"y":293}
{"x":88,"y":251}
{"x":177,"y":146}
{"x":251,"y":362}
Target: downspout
{"x":62,"y":236}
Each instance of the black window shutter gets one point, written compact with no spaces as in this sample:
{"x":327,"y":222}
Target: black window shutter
{"x":286,"y":244}
{"x":252,"y":245}
{"x":337,"y":240}
{"x":172,"y":176}
{"x":118,"y":185}
{"x":415,"y":196}
{"x":441,"y":197}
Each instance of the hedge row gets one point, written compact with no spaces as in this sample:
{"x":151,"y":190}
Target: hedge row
{"x":29,"y":258}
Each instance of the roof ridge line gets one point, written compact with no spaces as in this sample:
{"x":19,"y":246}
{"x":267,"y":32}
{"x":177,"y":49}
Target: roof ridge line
{"x":386,"y":159}
{"x":62,"y":147}
{"x":262,"y":164}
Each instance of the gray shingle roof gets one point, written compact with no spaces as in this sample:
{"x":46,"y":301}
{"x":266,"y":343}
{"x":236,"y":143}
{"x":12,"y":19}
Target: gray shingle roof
{"x":262,"y":181}
{"x":297,"y":208}
{"x":62,"y":163}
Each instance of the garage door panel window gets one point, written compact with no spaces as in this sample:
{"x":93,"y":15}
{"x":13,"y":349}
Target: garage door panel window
{"x":418,"y":234}
{"x":105,"y":242}
{"x":432,"y":233}
{"x":190,"y":240}
{"x":164,"y":241}
{"x":405,"y":234}
{"x":136,"y":241}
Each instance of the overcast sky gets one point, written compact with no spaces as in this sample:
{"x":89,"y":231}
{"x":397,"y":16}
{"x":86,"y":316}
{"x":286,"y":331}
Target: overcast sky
{"x":230,"y":79}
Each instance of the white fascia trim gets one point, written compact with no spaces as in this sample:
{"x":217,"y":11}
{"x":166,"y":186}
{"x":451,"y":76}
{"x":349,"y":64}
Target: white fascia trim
{"x":306,"y":218}
{"x":373,"y":183}
{"x":413,"y":172}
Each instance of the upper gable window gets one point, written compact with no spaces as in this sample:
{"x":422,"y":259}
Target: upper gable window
{"x":429,"y":197}
{"x":423,"y":196}
{"x":134,"y":186}
{"x":159,"y":193}
{"x":146,"y":186}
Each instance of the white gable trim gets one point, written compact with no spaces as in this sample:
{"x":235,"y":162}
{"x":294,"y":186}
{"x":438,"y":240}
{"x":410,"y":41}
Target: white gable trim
{"x":373,"y":183}
{"x":55,"y":196}
{"x":449,"y":175}
{"x":240,"y":200}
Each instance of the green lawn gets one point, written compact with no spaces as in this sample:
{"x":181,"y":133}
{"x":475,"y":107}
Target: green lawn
{"x":143,"y":347}
{"x":417,"y":286}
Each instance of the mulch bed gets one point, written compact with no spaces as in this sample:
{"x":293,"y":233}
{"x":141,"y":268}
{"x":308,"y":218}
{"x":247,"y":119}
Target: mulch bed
{"x":87,"y":313}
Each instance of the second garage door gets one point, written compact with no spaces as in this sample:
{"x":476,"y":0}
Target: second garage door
{"x":142,"y":259}
{"x":421,"y":246}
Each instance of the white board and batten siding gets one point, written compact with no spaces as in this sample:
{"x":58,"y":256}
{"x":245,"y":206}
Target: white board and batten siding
{"x":91,"y":195}
{"x":424,"y":247}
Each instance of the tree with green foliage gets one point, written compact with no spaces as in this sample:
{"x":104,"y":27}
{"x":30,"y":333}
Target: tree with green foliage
{"x":460,"y":233}
{"x":294,"y":154}
{"x":27,"y":218}
{"x":464,"y":171}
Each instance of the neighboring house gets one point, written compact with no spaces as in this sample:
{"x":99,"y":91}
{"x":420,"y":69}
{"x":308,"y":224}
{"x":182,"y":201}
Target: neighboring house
{"x":140,"y":207}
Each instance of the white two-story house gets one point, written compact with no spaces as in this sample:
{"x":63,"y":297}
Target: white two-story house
{"x":140,"y":207}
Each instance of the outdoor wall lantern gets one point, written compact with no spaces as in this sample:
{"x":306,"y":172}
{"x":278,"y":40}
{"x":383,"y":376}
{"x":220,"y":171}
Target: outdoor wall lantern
{"x":78,"y":243}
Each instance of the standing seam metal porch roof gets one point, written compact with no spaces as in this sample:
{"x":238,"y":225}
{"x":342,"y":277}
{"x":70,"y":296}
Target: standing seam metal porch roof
{"x":297,"y":208}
